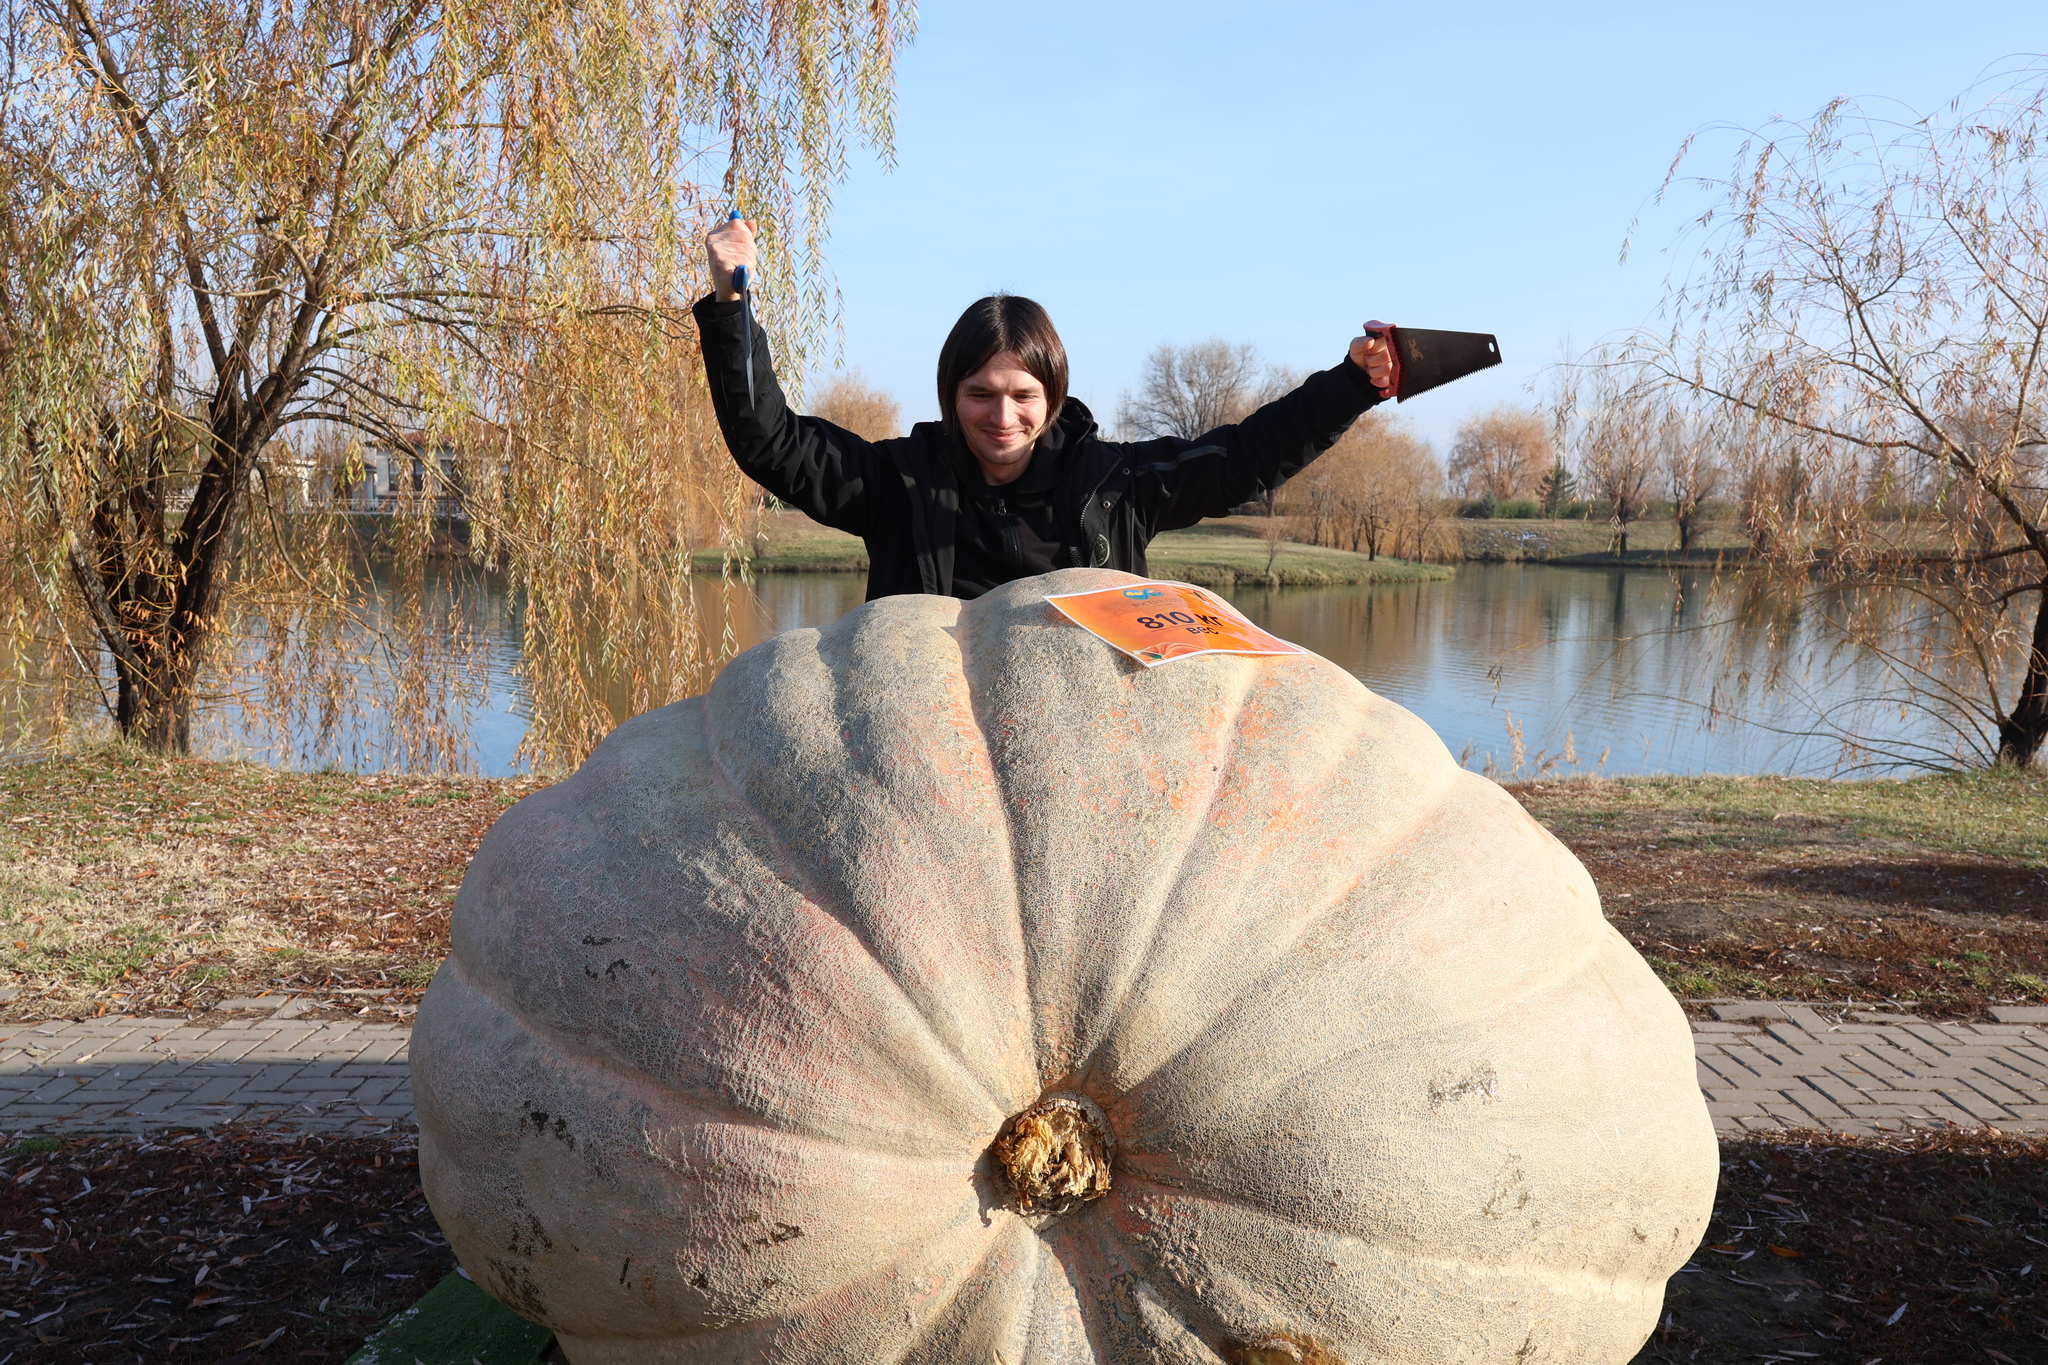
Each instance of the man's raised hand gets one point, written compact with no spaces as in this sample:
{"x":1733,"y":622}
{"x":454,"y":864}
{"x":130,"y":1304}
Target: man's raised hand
{"x":727,"y":246}
{"x":1375,"y":356}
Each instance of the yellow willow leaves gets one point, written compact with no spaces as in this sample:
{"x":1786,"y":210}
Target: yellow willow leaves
{"x":248,"y":252}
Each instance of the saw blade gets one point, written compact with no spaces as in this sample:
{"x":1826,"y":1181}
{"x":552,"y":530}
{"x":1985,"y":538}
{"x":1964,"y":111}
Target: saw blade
{"x":1430,"y":358}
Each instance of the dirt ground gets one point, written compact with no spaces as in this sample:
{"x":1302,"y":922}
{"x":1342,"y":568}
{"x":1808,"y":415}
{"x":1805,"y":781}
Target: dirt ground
{"x":1915,"y":1249}
{"x":139,"y":884}
{"x":1931,"y":894}
{"x":130,"y":884}
{"x":227,"y":1247}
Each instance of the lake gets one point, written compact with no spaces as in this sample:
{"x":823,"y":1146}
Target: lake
{"x":1521,"y":669}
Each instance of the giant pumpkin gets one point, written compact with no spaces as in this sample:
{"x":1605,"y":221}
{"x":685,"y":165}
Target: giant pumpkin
{"x":943,"y":987}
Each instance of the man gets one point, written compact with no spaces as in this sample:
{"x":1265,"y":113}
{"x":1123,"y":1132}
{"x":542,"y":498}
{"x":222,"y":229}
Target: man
{"x":1013,"y":481}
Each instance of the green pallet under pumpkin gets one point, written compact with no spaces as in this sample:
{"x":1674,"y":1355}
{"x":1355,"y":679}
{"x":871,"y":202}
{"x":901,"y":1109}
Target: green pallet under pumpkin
{"x":456,"y":1324}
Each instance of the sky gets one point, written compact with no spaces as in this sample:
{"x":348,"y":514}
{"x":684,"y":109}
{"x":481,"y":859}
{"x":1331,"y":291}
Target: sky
{"x":1277,"y":173}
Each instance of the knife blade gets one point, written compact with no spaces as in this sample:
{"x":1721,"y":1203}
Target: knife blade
{"x":739,"y":284}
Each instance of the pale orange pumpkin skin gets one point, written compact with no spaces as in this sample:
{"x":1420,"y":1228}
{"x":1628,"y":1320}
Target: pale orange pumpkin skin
{"x":735,"y":1013}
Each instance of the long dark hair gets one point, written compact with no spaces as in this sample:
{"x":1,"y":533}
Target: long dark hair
{"x":990,"y":327}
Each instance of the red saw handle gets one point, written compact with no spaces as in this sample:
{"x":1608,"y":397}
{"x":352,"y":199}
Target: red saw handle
{"x":1385,"y":330}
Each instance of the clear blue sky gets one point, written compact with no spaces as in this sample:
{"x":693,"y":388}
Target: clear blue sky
{"x":1276,"y":173}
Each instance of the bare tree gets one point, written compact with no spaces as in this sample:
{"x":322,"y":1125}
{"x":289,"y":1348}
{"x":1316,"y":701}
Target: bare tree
{"x":847,"y":401}
{"x":1873,"y":299}
{"x":229,"y":229}
{"x":1690,"y":456}
{"x":1375,"y":490}
{"x":1501,"y":454}
{"x":1615,"y":429}
{"x":1186,"y":390}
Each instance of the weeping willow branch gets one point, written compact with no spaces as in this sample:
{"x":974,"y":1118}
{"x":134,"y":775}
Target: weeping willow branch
{"x":242,"y":246}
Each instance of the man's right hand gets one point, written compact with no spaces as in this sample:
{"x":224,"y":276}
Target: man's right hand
{"x":728,"y":246}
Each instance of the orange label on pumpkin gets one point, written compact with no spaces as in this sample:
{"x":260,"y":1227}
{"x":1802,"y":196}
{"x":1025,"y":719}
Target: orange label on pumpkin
{"x":1156,"y":622}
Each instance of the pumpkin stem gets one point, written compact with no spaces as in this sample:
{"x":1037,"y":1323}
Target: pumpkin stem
{"x":1055,"y":1155}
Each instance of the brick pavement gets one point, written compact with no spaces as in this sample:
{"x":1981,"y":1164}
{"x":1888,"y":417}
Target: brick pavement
{"x":1761,"y":1066}
{"x":122,"y":1073}
{"x":1808,"y":1067}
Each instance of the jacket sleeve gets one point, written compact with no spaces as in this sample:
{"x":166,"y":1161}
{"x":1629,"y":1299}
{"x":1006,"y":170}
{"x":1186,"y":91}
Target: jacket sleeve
{"x":824,"y":471}
{"x":1178,"y":482}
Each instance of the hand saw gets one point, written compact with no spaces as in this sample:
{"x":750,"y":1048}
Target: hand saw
{"x":1424,"y":359}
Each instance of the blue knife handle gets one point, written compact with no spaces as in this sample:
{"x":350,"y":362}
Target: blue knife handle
{"x":739,"y":272}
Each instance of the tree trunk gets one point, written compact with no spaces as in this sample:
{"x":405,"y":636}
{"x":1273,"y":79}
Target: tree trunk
{"x":2021,"y":731}
{"x":153,"y":593}
{"x":154,"y":701}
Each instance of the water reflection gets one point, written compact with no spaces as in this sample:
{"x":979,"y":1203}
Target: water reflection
{"x":1622,"y":671}
{"x":1518,"y":668}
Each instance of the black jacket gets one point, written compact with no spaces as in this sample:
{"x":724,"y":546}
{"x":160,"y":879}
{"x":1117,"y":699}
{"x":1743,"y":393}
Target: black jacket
{"x":1107,"y":499}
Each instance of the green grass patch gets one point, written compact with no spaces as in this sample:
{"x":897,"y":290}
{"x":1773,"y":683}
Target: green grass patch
{"x":1224,"y":556}
{"x":1999,"y":813}
{"x":124,"y":950}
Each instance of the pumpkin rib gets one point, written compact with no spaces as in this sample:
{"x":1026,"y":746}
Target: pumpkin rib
{"x":1368,"y":859}
{"x":1197,"y":827}
{"x":1428,"y":1272}
{"x":1307,"y":926}
{"x":781,"y":860}
{"x":843,"y":1307}
{"x":715,"y":1110}
{"x":1547,"y":1271}
{"x":976,"y":1275}
{"x":674,"y":772}
{"x":963,"y":626}
{"x":1502,"y":1004}
{"x":1004,"y":856}
{"x":1116,"y":1317}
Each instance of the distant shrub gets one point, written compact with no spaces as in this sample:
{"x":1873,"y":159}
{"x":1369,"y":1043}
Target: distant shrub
{"x":1478,"y":509}
{"x":1519,"y":509}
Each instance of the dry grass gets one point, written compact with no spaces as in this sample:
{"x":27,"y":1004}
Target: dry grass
{"x":1933,"y":891}
{"x":131,"y":883}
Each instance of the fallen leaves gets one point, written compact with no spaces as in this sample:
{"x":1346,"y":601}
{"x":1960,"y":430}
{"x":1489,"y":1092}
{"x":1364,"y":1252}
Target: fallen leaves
{"x":1726,"y":903}
{"x":239,"y":1211}
{"x":225,"y":879}
{"x":1851,"y":1248}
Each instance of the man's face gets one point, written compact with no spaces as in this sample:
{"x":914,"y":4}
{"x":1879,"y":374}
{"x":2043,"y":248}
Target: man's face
{"x":1001,"y":408}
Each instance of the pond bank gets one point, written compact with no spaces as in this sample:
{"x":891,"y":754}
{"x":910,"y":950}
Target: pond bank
{"x":134,"y":884}
{"x":1218,"y":554}
{"x":1225,"y":550}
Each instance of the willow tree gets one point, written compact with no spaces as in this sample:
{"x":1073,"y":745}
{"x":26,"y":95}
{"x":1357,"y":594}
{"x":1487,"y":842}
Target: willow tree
{"x":242,"y":244}
{"x":1872,"y":301}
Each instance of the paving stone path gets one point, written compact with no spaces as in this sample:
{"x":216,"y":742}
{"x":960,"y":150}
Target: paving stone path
{"x":1773,"y":1066}
{"x":1761,"y":1066}
{"x":121,"y":1073}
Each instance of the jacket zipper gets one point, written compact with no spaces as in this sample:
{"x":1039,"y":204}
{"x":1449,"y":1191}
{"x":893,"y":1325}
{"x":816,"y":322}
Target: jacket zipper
{"x":1013,"y":544}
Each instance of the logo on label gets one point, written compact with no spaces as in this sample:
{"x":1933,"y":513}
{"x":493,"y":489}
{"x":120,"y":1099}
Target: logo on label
{"x":1140,"y":594}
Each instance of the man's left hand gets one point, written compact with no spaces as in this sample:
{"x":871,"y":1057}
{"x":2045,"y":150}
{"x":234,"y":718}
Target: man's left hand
{"x":1375,"y":356}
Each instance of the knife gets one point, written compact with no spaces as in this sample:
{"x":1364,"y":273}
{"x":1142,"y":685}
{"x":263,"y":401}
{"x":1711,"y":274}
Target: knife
{"x":739,"y":284}
{"x":1424,"y":359}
